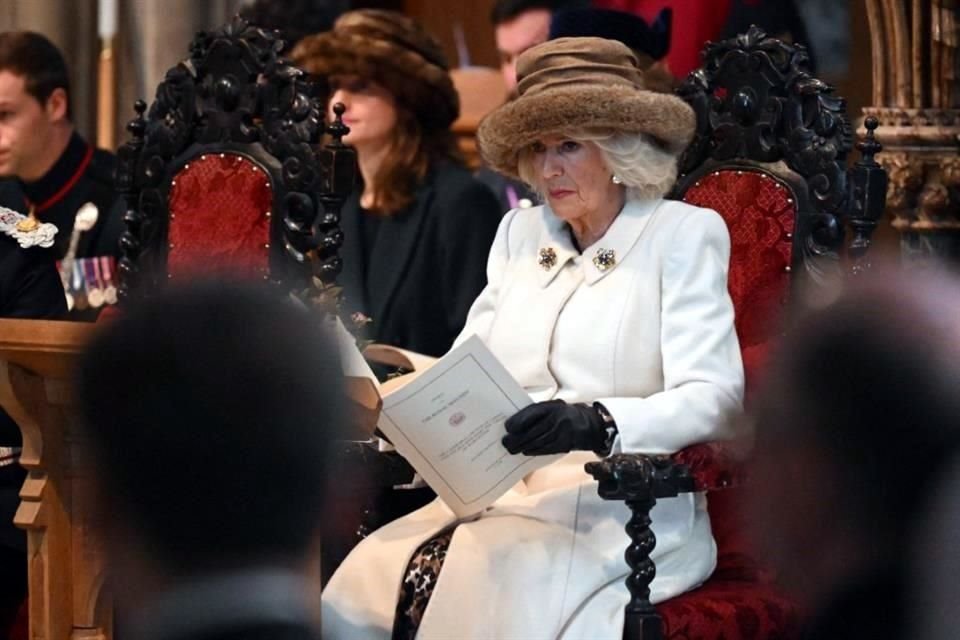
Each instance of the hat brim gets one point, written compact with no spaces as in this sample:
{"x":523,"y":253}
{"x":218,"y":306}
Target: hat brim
{"x":422,"y":86}
{"x":519,"y":123}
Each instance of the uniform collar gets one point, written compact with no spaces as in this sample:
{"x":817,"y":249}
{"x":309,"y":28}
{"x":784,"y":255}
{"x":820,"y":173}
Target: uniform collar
{"x":55,"y":183}
{"x":619,"y":238}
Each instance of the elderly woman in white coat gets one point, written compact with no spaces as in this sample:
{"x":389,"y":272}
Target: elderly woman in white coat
{"x":609,"y":305}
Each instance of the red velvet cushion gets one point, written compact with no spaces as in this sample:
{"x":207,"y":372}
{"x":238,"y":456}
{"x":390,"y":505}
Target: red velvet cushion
{"x":219,"y":218}
{"x":730,"y":610}
{"x":759,"y":211}
{"x":740,"y":600}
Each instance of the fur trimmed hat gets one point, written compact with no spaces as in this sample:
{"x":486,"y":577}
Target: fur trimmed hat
{"x":571,"y":84}
{"x":392,"y":50}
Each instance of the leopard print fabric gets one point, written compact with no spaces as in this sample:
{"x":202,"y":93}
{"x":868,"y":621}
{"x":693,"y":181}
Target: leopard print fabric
{"x":418,"y":583}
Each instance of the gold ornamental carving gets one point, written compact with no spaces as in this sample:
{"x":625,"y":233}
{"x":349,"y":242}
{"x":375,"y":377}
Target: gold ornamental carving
{"x":916,"y":98}
{"x":905,"y":177}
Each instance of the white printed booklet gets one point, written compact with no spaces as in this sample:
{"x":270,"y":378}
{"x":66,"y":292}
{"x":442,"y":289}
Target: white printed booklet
{"x":447,"y":420}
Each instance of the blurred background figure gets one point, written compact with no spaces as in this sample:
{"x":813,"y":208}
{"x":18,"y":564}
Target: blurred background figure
{"x":649,"y":42}
{"x":519,"y":25}
{"x":856,"y":423}
{"x":295,"y":18}
{"x":698,"y":22}
{"x":935,"y":564}
{"x":419,"y":226}
{"x":209,"y":488}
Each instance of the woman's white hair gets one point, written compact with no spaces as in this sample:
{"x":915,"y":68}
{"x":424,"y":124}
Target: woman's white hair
{"x":644,"y":167}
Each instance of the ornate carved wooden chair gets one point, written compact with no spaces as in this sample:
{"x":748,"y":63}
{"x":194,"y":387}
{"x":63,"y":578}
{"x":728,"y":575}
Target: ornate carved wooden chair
{"x":770,"y":156}
{"x":224,"y":173}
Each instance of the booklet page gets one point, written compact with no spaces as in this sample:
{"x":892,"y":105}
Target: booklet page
{"x":448,"y":422}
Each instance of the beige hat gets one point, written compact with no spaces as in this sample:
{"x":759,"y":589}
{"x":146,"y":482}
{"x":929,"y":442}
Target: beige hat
{"x":570,"y":84}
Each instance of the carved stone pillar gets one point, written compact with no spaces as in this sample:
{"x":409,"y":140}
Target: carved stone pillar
{"x":916,"y":97}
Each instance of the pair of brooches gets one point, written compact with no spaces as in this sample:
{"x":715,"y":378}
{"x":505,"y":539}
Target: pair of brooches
{"x":602,"y":260}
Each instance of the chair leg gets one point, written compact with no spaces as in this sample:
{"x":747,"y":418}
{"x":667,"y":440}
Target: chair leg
{"x":641,"y":620}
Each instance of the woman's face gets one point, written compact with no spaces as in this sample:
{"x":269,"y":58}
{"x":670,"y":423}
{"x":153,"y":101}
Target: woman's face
{"x":371,"y":110}
{"x":573,"y":177}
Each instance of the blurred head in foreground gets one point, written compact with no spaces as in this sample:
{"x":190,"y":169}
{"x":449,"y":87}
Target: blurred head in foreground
{"x":855,"y":423}
{"x":208,"y":411}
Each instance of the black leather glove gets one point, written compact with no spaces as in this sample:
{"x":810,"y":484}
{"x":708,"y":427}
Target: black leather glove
{"x":554,"y":426}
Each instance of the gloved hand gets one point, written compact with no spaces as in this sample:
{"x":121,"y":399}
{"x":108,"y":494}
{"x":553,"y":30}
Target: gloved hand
{"x":554,"y":426}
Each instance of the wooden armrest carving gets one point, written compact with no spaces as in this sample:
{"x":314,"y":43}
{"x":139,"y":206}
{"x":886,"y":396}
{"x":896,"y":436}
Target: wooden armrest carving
{"x":632,"y":476}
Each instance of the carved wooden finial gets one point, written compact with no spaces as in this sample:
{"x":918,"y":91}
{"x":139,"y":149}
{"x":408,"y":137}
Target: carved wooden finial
{"x":138,"y":125}
{"x":868,"y":147}
{"x":338,"y":129}
{"x":868,"y":191}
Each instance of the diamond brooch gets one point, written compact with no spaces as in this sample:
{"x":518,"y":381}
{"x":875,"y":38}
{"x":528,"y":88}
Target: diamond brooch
{"x":605,"y":259}
{"x":547,"y":258}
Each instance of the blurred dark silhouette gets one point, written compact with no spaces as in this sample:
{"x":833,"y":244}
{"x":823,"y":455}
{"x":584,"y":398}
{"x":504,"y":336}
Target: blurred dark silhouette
{"x":208,"y":411}
{"x":295,"y":19}
{"x":856,"y":422}
{"x":935,"y":564}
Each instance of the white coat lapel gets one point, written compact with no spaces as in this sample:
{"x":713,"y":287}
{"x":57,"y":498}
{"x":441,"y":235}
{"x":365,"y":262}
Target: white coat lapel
{"x":603,"y":256}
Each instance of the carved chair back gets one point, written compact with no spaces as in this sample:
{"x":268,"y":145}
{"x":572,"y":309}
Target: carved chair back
{"x":770,"y":155}
{"x":224,"y":173}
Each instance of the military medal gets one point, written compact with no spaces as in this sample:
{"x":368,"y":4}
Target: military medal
{"x":109,"y":289}
{"x":77,"y":287}
{"x":65,"y":281}
{"x":91,"y":272}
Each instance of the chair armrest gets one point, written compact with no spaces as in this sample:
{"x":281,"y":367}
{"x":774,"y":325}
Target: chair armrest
{"x":640,"y":480}
{"x":634,"y":476}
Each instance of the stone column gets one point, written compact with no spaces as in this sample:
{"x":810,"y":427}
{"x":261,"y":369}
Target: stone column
{"x":916,"y":97}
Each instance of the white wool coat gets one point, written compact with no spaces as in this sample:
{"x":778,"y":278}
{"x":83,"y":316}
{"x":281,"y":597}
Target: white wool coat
{"x":652,"y":338}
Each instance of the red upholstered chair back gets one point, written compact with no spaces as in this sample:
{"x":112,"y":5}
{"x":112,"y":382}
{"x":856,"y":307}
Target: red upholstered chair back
{"x":225,"y":174}
{"x":760,"y":211}
{"x":220,"y":208}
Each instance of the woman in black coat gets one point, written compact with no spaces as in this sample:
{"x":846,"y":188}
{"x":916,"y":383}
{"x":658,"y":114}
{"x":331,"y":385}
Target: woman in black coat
{"x":418,"y":230}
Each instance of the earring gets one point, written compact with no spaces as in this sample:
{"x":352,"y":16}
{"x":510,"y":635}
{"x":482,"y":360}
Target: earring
{"x":615,"y":179}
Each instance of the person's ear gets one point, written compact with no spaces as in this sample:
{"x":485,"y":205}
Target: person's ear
{"x":56,"y":106}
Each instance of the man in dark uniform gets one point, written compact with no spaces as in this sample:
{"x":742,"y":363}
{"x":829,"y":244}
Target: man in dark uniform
{"x":29,"y":288}
{"x":47,"y":169}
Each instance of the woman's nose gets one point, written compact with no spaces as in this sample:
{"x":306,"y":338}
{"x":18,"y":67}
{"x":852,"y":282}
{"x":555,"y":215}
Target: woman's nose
{"x":552,"y":166}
